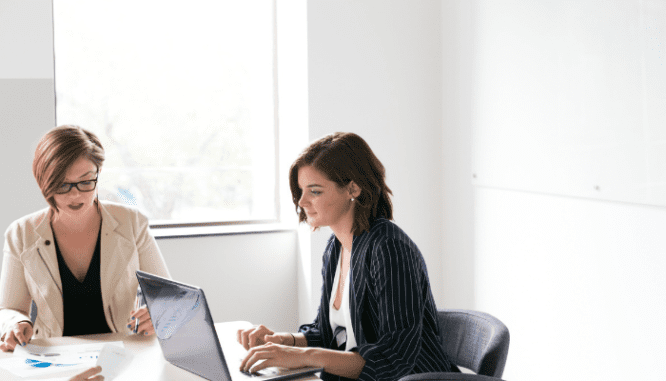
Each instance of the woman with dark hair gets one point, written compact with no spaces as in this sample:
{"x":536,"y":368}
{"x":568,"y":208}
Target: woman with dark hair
{"x":74,"y":262}
{"x":377,"y":319}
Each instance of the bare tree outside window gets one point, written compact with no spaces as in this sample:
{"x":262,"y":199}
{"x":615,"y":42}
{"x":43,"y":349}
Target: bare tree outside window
{"x":181,"y":95}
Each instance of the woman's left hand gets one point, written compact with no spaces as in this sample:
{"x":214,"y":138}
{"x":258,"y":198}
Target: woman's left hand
{"x":89,"y":375}
{"x":145,"y":324}
{"x":274,"y":355}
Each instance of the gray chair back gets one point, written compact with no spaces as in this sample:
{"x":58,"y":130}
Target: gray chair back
{"x":475,"y":340}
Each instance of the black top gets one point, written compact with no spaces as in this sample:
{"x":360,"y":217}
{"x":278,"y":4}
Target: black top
{"x":82,"y":302}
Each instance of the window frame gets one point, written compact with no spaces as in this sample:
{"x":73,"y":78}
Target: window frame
{"x":164,"y":228}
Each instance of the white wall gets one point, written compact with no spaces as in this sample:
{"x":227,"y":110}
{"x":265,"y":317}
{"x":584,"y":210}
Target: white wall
{"x":26,"y":101}
{"x":580,"y":283}
{"x":458,"y":193}
{"x":245,"y":276}
{"x":375,"y":69}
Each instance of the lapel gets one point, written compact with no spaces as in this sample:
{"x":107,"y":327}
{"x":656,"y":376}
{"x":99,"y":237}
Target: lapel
{"x":333,"y":254}
{"x":116,"y":252}
{"x":358,"y":281}
{"x":41,"y":268}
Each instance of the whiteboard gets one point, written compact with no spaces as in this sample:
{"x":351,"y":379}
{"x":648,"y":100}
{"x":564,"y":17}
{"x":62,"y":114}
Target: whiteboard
{"x":569,"y":98}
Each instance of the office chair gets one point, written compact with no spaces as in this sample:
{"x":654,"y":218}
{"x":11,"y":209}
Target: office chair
{"x":475,"y":340}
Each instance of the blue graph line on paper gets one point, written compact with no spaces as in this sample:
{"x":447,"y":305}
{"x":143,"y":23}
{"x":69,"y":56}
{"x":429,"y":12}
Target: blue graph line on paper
{"x":43,"y":364}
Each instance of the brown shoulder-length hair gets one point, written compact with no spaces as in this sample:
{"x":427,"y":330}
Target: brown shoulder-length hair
{"x":57,"y":151}
{"x":343,"y":157}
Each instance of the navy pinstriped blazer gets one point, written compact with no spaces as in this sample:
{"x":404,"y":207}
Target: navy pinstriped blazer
{"x":393,"y":312}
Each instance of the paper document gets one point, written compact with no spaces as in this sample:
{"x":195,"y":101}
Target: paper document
{"x":24,"y":367}
{"x":64,"y":354}
{"x":113,"y":360}
{"x":35,"y":360}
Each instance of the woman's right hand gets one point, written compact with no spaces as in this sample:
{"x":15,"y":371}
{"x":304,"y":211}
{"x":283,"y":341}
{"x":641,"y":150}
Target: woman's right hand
{"x":20,"y":334}
{"x":260,"y":335}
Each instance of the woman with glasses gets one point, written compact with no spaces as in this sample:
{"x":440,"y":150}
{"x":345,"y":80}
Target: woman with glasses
{"x":69,"y":269}
{"x":377,"y":319}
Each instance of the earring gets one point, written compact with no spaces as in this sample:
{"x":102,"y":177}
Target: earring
{"x":352,"y":199}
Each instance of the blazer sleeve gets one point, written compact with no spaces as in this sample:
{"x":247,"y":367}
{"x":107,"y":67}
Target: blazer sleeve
{"x":14,"y":294}
{"x":312,"y":333}
{"x":150,"y":256}
{"x":395,"y":272}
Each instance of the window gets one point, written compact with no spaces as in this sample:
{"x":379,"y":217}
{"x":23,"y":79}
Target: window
{"x":182,"y":95}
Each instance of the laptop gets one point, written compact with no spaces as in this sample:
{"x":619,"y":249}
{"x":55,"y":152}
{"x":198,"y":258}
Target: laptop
{"x":186,"y":332}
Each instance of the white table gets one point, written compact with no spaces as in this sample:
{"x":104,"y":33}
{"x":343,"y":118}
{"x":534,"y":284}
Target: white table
{"x":148,"y":363}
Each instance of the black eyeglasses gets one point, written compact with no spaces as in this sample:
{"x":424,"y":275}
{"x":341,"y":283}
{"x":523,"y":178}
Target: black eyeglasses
{"x":82,"y":186}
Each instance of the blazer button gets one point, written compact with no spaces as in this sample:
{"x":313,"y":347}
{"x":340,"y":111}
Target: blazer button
{"x":47,"y":242}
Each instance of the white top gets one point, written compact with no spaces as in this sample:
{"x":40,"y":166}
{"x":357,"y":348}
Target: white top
{"x":342,"y":317}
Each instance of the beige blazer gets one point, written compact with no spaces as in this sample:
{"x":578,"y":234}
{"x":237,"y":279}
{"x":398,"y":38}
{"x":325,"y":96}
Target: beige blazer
{"x":30,"y":269}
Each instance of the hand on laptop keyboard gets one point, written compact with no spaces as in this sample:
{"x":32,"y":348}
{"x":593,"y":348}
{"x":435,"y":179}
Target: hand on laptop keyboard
{"x":255,"y":374}
{"x":263,"y":372}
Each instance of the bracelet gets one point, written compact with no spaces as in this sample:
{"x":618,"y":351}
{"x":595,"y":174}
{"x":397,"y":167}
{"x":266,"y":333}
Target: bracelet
{"x":293,"y":337}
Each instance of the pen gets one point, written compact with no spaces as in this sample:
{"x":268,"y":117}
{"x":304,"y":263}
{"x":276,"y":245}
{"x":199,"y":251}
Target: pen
{"x":33,"y":313}
{"x":137,"y":305}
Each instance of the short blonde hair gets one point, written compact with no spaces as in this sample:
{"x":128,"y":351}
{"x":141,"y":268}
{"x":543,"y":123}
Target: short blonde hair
{"x":57,"y":151}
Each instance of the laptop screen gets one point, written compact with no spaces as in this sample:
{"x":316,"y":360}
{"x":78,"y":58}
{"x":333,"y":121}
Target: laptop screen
{"x":183,"y":326}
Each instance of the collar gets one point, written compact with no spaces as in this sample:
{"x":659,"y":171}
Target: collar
{"x":44,"y":228}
